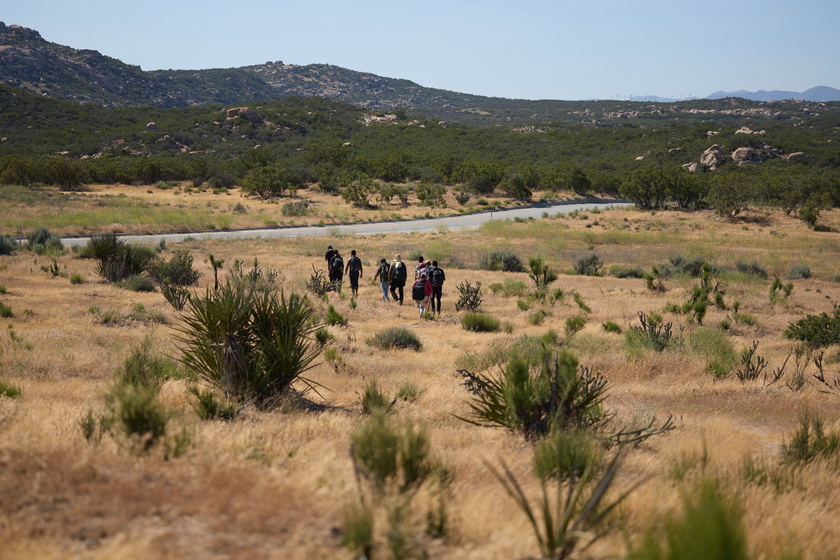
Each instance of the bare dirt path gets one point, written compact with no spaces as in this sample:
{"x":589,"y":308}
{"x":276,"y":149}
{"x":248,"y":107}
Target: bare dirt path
{"x":453,"y":223}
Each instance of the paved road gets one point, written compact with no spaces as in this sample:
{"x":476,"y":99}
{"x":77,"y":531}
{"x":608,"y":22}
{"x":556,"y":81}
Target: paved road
{"x":450,"y":223}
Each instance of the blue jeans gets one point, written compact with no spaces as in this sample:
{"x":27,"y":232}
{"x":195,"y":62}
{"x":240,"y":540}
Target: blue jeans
{"x":384,"y":286}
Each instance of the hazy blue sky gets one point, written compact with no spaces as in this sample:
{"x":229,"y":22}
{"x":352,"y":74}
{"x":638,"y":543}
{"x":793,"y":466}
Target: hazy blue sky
{"x":531,"y":49}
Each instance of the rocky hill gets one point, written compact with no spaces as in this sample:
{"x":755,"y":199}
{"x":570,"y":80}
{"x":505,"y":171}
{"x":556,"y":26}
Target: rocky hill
{"x":28,"y":61}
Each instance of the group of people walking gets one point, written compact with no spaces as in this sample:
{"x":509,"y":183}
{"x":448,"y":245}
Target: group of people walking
{"x":426,"y":289}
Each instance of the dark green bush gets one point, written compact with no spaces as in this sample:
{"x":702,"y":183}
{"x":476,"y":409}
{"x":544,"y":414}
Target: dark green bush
{"x":42,"y":241}
{"x":574,"y":325}
{"x":816,"y":330}
{"x":10,"y":391}
{"x":178,"y":271}
{"x":469,"y":296}
{"x":564,"y":454}
{"x":395,"y":337}
{"x":295,"y":208}
{"x":682,"y":266}
{"x":480,"y":322}
{"x":117,"y":259}
{"x":624,"y":272}
{"x":651,"y":333}
{"x":751,"y":268}
{"x":799,"y":272}
{"x":333,"y":317}
{"x":589,"y":265}
{"x":612,"y":327}
{"x":374,"y":400}
{"x":810,"y":441}
{"x":501,"y":260}
{"x":8,"y":244}
{"x":6,"y":311}
{"x":209,"y":406}
{"x":137,"y":283}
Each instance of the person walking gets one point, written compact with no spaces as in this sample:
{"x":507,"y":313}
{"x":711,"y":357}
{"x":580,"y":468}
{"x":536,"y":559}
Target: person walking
{"x":396,"y":278}
{"x":421,"y":292}
{"x":354,"y":271}
{"x":436,"y":277}
{"x":336,"y":268}
{"x":328,"y":256}
{"x":382,"y":273}
{"x":420,"y":267}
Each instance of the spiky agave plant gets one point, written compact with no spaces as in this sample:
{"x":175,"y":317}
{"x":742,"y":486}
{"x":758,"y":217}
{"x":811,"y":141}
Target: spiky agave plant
{"x":252,"y":344}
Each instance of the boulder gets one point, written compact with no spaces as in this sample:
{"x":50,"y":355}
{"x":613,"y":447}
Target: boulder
{"x":744,"y":130}
{"x":713,"y":157}
{"x":151,"y":126}
{"x":796,"y":156}
{"x":692,"y":167}
{"x":745,"y":155}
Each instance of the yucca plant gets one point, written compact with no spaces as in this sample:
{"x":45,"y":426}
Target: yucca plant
{"x":568,"y":517}
{"x":249,"y":343}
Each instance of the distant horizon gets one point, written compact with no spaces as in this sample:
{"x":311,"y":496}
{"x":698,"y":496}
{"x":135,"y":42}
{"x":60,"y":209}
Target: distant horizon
{"x":542,"y":50}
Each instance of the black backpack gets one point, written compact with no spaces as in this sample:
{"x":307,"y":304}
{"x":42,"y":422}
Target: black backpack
{"x":418,"y":290}
{"x":437,"y":277}
{"x":398,"y":272}
{"x":355,"y":264}
{"x":338,"y":263}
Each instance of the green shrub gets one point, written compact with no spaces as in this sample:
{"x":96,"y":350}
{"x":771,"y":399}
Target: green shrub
{"x":559,"y":396}
{"x":117,"y":259}
{"x":41,"y":241}
{"x":137,"y":283}
{"x":816,"y":330}
{"x":710,"y":528}
{"x":209,"y":406}
{"x":810,"y":441}
{"x":8,"y":244}
{"x":564,"y":454}
{"x":799,"y":272}
{"x":652,"y":333}
{"x":139,"y":414}
{"x":624,"y":272}
{"x":145,"y":368}
{"x":178,"y":271}
{"x":333,"y":317}
{"x":177,"y":296}
{"x":751,"y":268}
{"x":251,"y":344}
{"x":391,"y":456}
{"x":3,"y":289}
{"x":716,"y":348}
{"x":780,"y":291}
{"x":76,"y":279}
{"x":589,"y":265}
{"x":395,"y":337}
{"x":480,"y":322}
{"x":409,"y":392}
{"x":538,"y":316}
{"x":501,"y":260}
{"x":295,"y":208}
{"x":509,"y":287}
{"x":612,"y":327}
{"x":323,"y":336}
{"x":574,"y":325}
{"x":9,"y":390}
{"x":580,"y":303}
{"x":681,"y":266}
{"x":374,"y":400}
{"x":6,"y":311}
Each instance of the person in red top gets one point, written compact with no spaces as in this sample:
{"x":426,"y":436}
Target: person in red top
{"x":421,"y":291}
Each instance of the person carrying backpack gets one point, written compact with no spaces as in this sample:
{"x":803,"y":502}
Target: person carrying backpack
{"x":382,"y":273}
{"x":420,"y":267}
{"x":436,"y":277}
{"x":336,"y":267}
{"x":354,"y":271}
{"x":396,"y":278}
{"x":328,"y":256}
{"x":421,"y":291}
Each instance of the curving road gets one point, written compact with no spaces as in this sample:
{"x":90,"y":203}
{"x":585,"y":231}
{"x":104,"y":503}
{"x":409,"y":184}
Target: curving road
{"x":452,"y":223}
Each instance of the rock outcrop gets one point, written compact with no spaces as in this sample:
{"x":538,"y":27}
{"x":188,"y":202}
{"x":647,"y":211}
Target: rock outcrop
{"x":713,"y":157}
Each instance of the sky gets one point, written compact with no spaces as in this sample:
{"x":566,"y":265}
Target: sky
{"x":523,"y":49}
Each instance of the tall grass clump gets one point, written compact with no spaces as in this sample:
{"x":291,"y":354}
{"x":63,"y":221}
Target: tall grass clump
{"x":6,"y":311}
{"x":333,"y":317}
{"x":396,"y":337}
{"x":118,"y":260}
{"x":9,"y":391}
{"x":480,"y":322}
{"x":811,"y":441}
{"x":716,"y":349}
{"x":249,"y":343}
{"x":711,"y":527}
{"x":374,"y":400}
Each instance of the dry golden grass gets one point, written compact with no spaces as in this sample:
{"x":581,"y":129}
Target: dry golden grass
{"x":275,"y":484}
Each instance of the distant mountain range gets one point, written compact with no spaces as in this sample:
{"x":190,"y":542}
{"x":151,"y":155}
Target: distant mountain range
{"x":819,"y":93}
{"x":29,"y":62}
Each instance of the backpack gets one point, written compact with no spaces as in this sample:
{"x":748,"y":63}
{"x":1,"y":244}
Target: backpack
{"x":437,"y":277}
{"x":418,"y":290}
{"x":382,"y":271}
{"x":398,"y":273}
{"x":355,"y":264}
{"x":338,"y":263}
